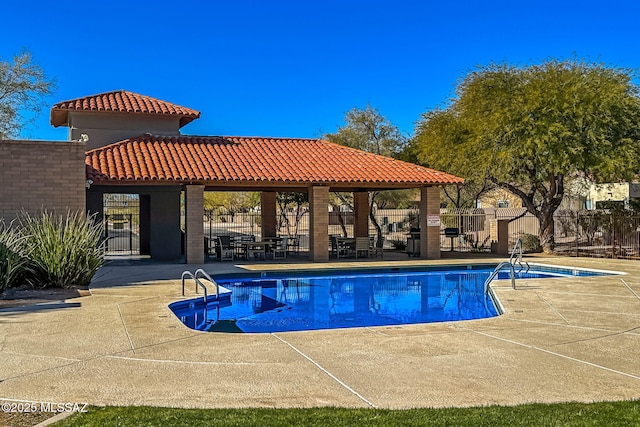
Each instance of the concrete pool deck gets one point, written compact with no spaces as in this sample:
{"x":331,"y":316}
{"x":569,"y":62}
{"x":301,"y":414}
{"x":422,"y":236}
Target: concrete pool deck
{"x":559,"y":340}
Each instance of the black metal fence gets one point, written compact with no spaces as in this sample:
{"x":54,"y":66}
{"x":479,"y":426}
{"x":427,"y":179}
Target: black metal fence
{"x":584,"y":233}
{"x":598,"y":233}
{"x":594,"y":233}
{"x":392,"y":225}
{"x":122,"y":224}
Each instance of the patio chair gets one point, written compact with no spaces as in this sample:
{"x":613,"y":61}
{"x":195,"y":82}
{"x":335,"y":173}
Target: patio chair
{"x":362,"y":247}
{"x":241,"y":247}
{"x":337,"y":248}
{"x":256,"y":251}
{"x":210,"y":245}
{"x":279,"y":249}
{"x":293,"y":245}
{"x":225,"y":248}
{"x":374,"y":251}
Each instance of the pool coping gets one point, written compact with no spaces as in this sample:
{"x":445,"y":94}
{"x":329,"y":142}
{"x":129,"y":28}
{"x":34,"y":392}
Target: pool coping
{"x":121,"y":346}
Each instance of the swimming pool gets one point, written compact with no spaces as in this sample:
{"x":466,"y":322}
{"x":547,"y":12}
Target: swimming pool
{"x":343,"y":299}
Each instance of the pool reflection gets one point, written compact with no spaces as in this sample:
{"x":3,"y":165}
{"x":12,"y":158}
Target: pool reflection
{"x":293,"y":304}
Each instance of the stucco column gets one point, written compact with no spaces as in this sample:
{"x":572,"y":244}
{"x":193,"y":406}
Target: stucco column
{"x":361,"y":214}
{"x":194,"y":224}
{"x":319,"y":224}
{"x":268,"y":214}
{"x":430,"y":222}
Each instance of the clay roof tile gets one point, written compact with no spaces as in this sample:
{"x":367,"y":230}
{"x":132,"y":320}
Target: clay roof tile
{"x":216,"y":160}
{"x":120,"y":101}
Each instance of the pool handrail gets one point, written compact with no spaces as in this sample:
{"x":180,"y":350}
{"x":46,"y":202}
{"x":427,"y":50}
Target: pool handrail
{"x":197,"y":282}
{"x":495,"y":272}
{"x":516,"y":253}
{"x":206,"y":276}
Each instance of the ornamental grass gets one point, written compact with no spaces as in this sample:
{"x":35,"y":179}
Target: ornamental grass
{"x":63,"y":251}
{"x":13,"y":260}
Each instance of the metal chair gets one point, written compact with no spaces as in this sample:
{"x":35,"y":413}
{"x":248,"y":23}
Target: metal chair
{"x":225,"y":248}
{"x":337,"y":249}
{"x":279,"y":249}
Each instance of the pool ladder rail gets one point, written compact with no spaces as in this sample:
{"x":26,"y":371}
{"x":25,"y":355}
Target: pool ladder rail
{"x":515,"y":258}
{"x":198,"y":283}
{"x":197,"y":276}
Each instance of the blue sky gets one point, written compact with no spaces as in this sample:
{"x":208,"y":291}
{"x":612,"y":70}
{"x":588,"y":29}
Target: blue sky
{"x":293,"y":68}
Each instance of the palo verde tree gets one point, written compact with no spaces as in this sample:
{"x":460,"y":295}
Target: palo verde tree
{"x":529,"y":129}
{"x":367,"y":130}
{"x":23,"y":84}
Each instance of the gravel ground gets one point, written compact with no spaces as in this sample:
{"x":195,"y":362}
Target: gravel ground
{"x":20,"y":419}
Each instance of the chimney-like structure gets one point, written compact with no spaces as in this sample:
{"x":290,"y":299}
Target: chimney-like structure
{"x":114,"y":116}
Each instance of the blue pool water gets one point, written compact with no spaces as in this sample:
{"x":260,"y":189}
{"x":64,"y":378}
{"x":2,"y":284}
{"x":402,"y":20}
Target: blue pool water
{"x":349,"y":299}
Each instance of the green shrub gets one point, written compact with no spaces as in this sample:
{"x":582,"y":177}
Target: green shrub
{"x":63,"y":251}
{"x":399,"y":245}
{"x":530,"y":243}
{"x":12,"y":256}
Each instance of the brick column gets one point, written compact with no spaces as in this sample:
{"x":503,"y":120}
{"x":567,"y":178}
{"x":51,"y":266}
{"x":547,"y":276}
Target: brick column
{"x":319,"y":224}
{"x":499,"y":232}
{"x":361,"y":214}
{"x":194,"y":224}
{"x":268,"y":214}
{"x":430,"y":222}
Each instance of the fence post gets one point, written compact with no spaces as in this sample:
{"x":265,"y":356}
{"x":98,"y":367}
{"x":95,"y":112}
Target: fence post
{"x":577,"y":239}
{"x":131,"y":233}
{"x":500,"y":236}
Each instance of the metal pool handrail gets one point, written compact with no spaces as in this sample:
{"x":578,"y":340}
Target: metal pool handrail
{"x":515,"y":253}
{"x":495,"y":272}
{"x":197,"y":282}
{"x":206,"y":276}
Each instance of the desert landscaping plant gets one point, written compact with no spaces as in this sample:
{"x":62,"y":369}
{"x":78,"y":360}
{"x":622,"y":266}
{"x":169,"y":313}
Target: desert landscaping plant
{"x":64,"y":251}
{"x":530,"y":243}
{"x":12,"y":256}
{"x":399,"y":245}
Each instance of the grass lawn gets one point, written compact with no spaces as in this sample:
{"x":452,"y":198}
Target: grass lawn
{"x":626,"y":413}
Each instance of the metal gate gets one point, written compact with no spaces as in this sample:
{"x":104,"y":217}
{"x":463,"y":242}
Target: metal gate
{"x":122,"y":223}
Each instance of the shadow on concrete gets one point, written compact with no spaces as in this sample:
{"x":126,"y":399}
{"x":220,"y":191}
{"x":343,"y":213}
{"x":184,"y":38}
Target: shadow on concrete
{"x":40,"y":307}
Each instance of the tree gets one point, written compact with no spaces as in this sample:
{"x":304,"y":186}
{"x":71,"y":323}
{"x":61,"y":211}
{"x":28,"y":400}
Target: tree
{"x":527,"y":129}
{"x":300,"y":203}
{"x":23,"y":84}
{"x":367,"y":130}
{"x":231,"y":201}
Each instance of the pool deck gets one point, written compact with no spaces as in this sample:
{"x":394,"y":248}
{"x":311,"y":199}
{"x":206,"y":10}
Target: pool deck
{"x":559,"y":340}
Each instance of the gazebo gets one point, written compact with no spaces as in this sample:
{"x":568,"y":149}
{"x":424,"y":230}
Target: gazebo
{"x":160,"y":165}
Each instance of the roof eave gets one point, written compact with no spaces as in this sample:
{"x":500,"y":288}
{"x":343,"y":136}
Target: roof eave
{"x":59,"y":117}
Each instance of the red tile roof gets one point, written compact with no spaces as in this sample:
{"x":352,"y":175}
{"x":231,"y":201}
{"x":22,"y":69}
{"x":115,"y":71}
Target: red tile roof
{"x":246,"y":160}
{"x":121,"y":101}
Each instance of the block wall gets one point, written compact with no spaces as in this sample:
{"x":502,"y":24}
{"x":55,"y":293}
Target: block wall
{"x":39,"y":175}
